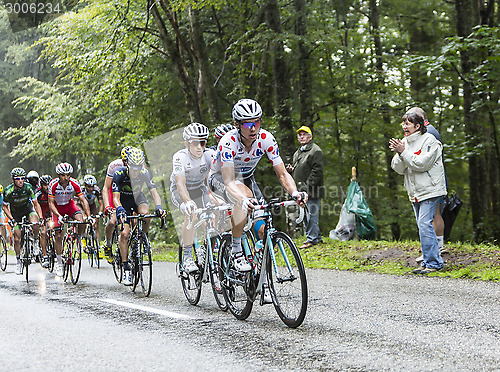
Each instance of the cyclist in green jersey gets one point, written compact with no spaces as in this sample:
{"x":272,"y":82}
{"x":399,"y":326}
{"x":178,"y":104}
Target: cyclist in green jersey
{"x":19,"y":201}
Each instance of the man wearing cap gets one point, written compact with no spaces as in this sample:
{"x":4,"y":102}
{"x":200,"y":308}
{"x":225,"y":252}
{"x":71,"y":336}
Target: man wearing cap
{"x":307,"y":167}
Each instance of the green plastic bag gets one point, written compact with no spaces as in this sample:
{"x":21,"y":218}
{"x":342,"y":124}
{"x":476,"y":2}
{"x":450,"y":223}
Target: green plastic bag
{"x":356,"y":203}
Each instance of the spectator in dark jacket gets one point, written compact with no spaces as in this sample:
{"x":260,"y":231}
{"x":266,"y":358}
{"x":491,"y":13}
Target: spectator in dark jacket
{"x":307,"y":167}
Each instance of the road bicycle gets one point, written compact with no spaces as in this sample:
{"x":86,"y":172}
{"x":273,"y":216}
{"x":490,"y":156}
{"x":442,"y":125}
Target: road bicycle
{"x":91,"y":243}
{"x":27,"y":245}
{"x":3,"y":250}
{"x":139,"y":253}
{"x":277,"y":260}
{"x":72,"y":251}
{"x":206,"y":258}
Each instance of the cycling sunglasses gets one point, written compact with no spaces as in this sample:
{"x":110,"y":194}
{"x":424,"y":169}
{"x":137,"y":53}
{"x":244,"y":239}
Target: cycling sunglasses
{"x":252,"y":124}
{"x":19,"y":178}
{"x":196,"y":143}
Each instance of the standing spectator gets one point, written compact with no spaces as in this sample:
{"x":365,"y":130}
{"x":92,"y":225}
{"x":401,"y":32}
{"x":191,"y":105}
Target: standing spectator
{"x":419,"y":158}
{"x":437,"y":222}
{"x":307,"y":167}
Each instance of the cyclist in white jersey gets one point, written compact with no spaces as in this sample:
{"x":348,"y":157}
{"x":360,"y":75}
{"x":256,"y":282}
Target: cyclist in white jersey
{"x":231,"y":176}
{"x":188,"y":183}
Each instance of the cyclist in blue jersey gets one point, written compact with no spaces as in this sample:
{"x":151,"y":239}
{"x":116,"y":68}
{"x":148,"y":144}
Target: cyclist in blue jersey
{"x":128,"y":198}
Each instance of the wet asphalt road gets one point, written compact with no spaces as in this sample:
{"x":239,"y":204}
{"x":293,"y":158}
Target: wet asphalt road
{"x":355,"y":322}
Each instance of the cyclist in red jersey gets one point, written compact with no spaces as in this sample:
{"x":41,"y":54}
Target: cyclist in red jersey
{"x":61,"y":203}
{"x":42,"y":195}
{"x":107,"y":198}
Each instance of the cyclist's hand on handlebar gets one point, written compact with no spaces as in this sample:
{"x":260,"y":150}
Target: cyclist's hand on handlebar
{"x":60,"y":220}
{"x":12,"y":223}
{"x":108,"y":210}
{"x":300,"y":197}
{"x":90,"y":220}
{"x":248,"y":203}
{"x":190,"y":207}
{"x":121,"y":214}
{"x":160,"y":212}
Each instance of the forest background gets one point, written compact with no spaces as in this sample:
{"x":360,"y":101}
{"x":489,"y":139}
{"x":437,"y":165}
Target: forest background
{"x":78,"y":84}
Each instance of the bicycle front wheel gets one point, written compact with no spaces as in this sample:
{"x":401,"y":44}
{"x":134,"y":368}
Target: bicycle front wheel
{"x":145,"y":265}
{"x":50,"y":253}
{"x":93,"y":248}
{"x":3,"y":253}
{"x":191,"y":282}
{"x":287,"y":281}
{"x":215,"y":277}
{"x":76,"y":253}
{"x":233,"y":282}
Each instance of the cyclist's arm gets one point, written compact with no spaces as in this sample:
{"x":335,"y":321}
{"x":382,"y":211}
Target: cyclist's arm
{"x":156,"y":196}
{"x":52,"y":206}
{"x":84,"y":204}
{"x":231,"y":186}
{"x":105,"y":190}
{"x":116,"y":199}
{"x":180,"y":182}
{"x":6,"y":209}
{"x":285,"y":178}
{"x":38,"y":209}
{"x":101,"y":205}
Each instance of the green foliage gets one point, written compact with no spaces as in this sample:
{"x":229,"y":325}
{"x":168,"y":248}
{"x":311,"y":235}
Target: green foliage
{"x":117,"y":83}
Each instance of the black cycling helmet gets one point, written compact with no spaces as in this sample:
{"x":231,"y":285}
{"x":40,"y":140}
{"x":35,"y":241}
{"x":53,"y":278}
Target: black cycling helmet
{"x":222,"y":129}
{"x":45,"y":179}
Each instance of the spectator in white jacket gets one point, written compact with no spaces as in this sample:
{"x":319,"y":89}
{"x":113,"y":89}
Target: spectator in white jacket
{"x":418,"y":159}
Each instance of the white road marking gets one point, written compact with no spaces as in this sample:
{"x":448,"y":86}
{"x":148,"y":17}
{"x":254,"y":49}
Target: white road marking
{"x":148,"y":309}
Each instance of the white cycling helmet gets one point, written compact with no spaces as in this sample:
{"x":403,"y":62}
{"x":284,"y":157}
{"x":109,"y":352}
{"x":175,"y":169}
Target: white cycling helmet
{"x":223,"y":129}
{"x":246,"y":109}
{"x":64,"y":168}
{"x":32,"y":176}
{"x":196,"y":132}
{"x":89,"y":180}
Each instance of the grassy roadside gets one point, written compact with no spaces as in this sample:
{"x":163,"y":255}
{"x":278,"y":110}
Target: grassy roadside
{"x":462,"y":260}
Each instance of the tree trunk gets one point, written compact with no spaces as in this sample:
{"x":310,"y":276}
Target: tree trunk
{"x":386,"y":119}
{"x":466,"y":19}
{"x":305,"y":79}
{"x":186,"y":82}
{"x":282,"y":88}
{"x":203,"y":62}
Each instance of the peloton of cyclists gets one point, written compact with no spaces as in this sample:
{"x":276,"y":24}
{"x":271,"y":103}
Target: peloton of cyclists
{"x":61,"y":203}
{"x":20,"y":201}
{"x":129,"y":198}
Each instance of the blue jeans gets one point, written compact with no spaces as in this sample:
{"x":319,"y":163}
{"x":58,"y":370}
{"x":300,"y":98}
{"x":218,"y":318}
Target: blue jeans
{"x":313,"y":234}
{"x":424,"y":213}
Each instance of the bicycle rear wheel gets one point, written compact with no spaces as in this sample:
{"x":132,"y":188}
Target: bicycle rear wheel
{"x":117,"y":264}
{"x":215,"y":277}
{"x":233,"y":282}
{"x":287,"y":281}
{"x":145,"y":265}
{"x":191,"y":282}
{"x":76,"y":253}
{"x":3,"y":253}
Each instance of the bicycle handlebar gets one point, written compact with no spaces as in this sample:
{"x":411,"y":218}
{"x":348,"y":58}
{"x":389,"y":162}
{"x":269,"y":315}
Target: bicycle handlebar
{"x":275,"y":204}
{"x":210,"y":208}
